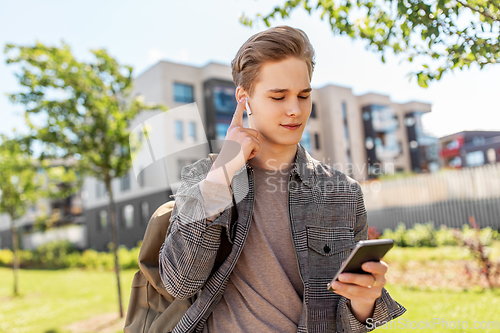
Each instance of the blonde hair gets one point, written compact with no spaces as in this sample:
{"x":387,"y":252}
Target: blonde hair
{"x":273,"y":44}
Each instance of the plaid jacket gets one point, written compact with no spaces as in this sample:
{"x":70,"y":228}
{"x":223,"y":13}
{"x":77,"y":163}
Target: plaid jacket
{"x":327,"y":217}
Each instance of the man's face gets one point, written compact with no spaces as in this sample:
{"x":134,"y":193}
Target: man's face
{"x":281,"y":97}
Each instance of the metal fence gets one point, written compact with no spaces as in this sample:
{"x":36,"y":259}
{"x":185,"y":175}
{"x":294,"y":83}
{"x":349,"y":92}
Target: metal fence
{"x":446,"y":197}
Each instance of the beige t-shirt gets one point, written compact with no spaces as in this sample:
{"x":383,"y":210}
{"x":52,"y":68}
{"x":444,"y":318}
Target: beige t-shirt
{"x":264,"y":292}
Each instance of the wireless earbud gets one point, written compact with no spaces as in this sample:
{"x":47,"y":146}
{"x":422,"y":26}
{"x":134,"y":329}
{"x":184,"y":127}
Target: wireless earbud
{"x":249,"y":112}
{"x":247,"y":107}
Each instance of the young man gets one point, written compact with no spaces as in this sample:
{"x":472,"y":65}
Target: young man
{"x":298,"y":218}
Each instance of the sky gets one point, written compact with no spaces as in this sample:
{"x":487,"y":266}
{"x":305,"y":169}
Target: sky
{"x":140,"y":33}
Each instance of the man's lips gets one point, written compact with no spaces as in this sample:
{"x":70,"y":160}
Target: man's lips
{"x":291,"y":126}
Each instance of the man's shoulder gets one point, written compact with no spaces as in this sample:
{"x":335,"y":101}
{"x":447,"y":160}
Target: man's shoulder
{"x":326,"y":172}
{"x":199,"y":167}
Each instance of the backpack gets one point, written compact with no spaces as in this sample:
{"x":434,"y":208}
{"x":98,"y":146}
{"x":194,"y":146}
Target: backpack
{"x":151,"y":308}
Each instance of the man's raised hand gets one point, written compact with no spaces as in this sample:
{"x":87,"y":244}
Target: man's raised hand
{"x":247,"y":138}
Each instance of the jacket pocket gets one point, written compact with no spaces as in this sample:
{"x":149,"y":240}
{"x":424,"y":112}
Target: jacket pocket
{"x":328,"y":241}
{"x":327,"y":248}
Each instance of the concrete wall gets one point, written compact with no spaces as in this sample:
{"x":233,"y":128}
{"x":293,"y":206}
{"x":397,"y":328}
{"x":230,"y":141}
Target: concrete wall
{"x":99,"y":238}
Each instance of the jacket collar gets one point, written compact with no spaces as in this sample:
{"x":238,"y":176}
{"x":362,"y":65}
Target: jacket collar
{"x":303,"y":165}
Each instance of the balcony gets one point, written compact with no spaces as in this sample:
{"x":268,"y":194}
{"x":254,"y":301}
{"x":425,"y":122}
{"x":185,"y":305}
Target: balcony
{"x":452,"y":148}
{"x":385,"y":124}
{"x":384,"y":120}
{"x":387,"y":153}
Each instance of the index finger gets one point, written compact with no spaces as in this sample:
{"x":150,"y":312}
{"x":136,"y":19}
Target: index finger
{"x":375,"y":267}
{"x":238,"y":114}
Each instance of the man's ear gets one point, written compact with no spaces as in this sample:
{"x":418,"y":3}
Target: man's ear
{"x":240,"y":93}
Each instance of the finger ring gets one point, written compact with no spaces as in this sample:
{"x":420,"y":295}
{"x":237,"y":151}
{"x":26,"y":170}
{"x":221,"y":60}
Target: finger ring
{"x":374,"y":281}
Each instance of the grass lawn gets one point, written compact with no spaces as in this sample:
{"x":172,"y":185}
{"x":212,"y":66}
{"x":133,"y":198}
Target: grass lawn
{"x":445,"y":305}
{"x":51,"y":299}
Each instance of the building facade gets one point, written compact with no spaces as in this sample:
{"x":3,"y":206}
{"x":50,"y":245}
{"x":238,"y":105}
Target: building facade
{"x":469,"y":149}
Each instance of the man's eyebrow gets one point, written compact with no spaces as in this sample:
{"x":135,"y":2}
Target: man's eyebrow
{"x":281,"y":90}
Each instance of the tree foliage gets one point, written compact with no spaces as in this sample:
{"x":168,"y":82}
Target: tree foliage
{"x":85,"y":107}
{"x":19,"y":183}
{"x":443,"y":35}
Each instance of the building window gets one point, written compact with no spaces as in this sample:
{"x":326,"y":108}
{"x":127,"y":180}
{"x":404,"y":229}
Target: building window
{"x":183,"y":93}
{"x":478,"y":140}
{"x":383,"y":119}
{"x":103,"y":219}
{"x":316,"y":141}
{"x":475,"y":158}
{"x":349,"y":164}
{"x":453,"y":144}
{"x":344,"y":112}
{"x":145,"y":212}
{"x":313,"y":111}
{"x":192,"y":131}
{"x":100,"y":189}
{"x":128,"y":216}
{"x":224,"y":99}
{"x":125,"y":182}
{"x":178,"y":130}
{"x":366,"y":115}
{"x":221,"y":130}
{"x":455,"y":162}
{"x":492,"y":156}
{"x":346,"y":134}
{"x":305,"y":141}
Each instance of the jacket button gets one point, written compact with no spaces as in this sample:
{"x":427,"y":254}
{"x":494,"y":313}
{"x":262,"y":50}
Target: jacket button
{"x":326,"y":249}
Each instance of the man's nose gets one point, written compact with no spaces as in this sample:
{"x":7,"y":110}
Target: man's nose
{"x":294,"y":109}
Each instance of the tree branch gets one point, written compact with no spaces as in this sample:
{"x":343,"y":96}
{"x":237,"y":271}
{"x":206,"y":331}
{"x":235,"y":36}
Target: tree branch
{"x":485,"y":13}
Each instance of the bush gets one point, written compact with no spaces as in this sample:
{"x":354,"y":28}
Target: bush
{"x":6,"y":257}
{"x":486,"y":235}
{"x":444,"y":236}
{"x":53,"y":254}
{"x":421,"y":235}
{"x":128,"y":258}
{"x":62,"y":254}
{"x":426,"y":235}
{"x":398,"y":235}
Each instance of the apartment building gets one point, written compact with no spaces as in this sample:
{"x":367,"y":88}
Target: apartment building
{"x":469,"y":149}
{"x":371,"y":135}
{"x":362,"y":136}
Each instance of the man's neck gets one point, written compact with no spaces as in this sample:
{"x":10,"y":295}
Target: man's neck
{"x":274,"y":157}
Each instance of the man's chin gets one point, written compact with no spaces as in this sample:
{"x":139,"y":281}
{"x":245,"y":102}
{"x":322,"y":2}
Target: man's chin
{"x":289,"y":140}
{"x":286,"y":143}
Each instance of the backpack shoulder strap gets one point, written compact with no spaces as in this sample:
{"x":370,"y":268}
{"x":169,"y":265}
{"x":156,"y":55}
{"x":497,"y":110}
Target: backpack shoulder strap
{"x":225,"y":246}
{"x":154,"y":237}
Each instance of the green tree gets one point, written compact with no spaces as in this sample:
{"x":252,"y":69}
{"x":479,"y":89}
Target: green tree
{"x":82,"y":110}
{"x":19,"y":188}
{"x":443,"y":35}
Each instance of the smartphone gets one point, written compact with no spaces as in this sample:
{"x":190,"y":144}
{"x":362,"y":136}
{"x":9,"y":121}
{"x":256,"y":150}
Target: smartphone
{"x":366,"y":250}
